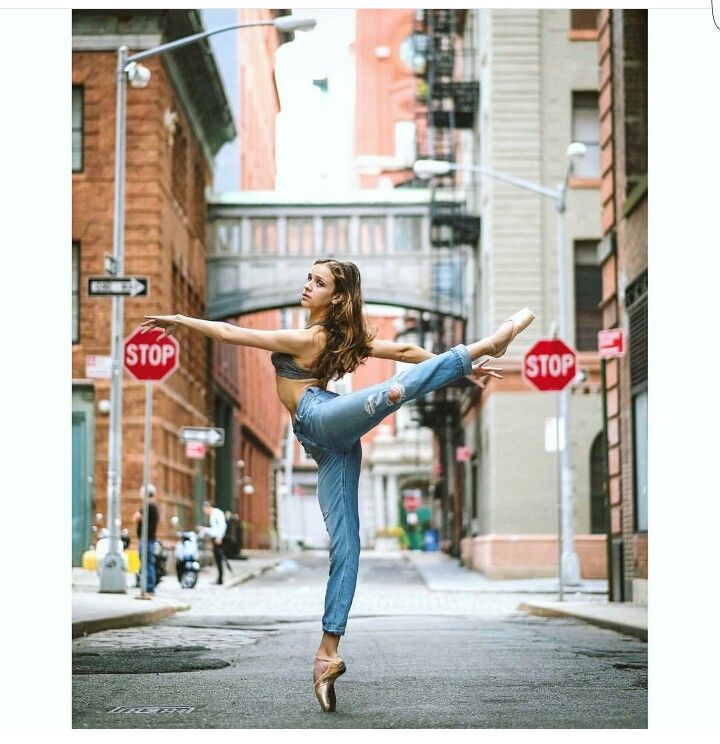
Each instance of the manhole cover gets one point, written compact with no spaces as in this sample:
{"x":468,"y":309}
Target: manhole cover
{"x":142,"y":660}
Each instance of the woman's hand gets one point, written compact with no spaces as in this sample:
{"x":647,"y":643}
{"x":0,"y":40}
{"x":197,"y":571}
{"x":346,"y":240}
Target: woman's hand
{"x":481,"y":372}
{"x":166,"y":323}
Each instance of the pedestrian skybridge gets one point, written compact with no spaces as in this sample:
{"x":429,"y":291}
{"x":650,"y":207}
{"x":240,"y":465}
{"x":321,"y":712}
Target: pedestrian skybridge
{"x":261,"y":246}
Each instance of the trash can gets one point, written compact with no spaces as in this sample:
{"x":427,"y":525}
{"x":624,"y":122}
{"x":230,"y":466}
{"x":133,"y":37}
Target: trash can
{"x":431,"y":540}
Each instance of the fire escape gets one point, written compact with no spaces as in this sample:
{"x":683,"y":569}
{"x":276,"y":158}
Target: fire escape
{"x":447,"y":101}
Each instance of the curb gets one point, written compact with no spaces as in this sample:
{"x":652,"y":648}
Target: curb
{"x":256,"y":572}
{"x":617,"y":625}
{"x":247,"y":576}
{"x":86,"y":627}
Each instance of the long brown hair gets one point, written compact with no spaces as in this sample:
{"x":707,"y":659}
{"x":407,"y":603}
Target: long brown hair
{"x":348,"y":333}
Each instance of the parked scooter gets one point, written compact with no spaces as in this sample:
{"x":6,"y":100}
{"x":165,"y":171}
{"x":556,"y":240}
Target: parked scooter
{"x":187,"y":559}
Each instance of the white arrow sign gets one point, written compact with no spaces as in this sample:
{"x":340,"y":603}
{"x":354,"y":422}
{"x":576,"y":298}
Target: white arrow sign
{"x":212,"y":436}
{"x":128,"y":286}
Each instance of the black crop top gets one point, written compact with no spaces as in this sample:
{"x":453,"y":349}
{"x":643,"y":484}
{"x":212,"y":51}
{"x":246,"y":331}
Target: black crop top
{"x":285,"y":365}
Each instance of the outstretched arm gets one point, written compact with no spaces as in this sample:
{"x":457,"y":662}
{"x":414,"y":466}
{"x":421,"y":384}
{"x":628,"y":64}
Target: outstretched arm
{"x":292,"y":341}
{"x":409,"y":353}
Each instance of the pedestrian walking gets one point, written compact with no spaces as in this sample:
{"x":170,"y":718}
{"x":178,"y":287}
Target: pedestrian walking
{"x":153,"y":519}
{"x":335,"y":341}
{"x":216,"y":531}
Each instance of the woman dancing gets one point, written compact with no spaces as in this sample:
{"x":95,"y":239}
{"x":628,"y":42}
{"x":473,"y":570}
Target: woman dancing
{"x":329,"y":426}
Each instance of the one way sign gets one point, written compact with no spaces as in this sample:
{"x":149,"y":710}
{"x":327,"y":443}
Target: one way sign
{"x":125,"y":286}
{"x":212,"y":436}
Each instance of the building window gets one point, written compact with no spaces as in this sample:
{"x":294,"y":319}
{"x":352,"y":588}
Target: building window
{"x":586,"y":129}
{"x":179,"y":167}
{"x":583,"y":20}
{"x":336,"y":234}
{"x":598,"y":524}
{"x":263,"y":234}
{"x":75,"y":292}
{"x":372,"y":235}
{"x":588,"y":294}
{"x":636,"y":296}
{"x":405,"y":149}
{"x":77,"y":128}
{"x":199,"y":206}
{"x":408,"y":234}
{"x":640,"y":452}
{"x":635,"y":97}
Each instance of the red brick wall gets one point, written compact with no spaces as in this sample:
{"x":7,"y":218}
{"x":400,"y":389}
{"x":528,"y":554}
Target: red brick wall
{"x":623,"y":126}
{"x":606,"y":121}
{"x":385,"y":86}
{"x":262,"y":417}
{"x":263,"y":420}
{"x":163,"y":242}
{"x":259,"y":102}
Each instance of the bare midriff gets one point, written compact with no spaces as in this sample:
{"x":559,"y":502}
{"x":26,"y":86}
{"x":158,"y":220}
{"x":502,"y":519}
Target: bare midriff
{"x":290,"y":391}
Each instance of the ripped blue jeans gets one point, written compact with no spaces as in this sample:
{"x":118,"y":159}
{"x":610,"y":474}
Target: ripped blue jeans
{"x":329,"y":427}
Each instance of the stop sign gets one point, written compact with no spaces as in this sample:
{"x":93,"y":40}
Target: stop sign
{"x":150,"y":358}
{"x":550,"y":364}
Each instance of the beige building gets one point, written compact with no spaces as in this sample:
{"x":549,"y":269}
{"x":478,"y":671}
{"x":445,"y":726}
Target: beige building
{"x":538,"y":74}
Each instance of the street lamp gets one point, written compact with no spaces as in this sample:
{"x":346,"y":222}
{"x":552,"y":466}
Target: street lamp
{"x":569,"y":564}
{"x":112,"y":577}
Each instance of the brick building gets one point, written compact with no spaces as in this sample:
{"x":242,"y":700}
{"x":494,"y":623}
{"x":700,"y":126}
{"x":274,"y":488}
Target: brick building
{"x":174,"y":127}
{"x":624,"y":255}
{"x":262,"y":418}
{"x":385,"y":119}
{"x":509,"y":90}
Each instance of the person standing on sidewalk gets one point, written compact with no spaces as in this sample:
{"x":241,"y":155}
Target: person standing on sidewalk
{"x":153,"y":519}
{"x":335,"y":341}
{"x":216,"y":531}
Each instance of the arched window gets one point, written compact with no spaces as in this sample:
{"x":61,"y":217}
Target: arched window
{"x":597,"y":487}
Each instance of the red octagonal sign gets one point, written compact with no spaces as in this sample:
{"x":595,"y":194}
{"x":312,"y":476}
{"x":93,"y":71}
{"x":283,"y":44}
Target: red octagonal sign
{"x":550,"y":365}
{"x":150,"y":358}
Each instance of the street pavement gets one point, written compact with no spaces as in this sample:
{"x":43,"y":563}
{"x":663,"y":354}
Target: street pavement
{"x":421,"y":652}
{"x":93,"y":611}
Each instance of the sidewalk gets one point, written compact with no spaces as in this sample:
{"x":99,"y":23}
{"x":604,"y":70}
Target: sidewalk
{"x":93,"y":611}
{"x":624,"y":617}
{"x":586,"y":602}
{"x":445,"y":574}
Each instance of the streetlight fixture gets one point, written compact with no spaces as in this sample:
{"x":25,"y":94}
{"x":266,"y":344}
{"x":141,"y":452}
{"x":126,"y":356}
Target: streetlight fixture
{"x":112,"y":578}
{"x":569,"y":563}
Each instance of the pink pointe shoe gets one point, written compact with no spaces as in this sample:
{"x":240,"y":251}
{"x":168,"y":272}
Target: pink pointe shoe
{"x":325,"y":672}
{"x":520,"y":321}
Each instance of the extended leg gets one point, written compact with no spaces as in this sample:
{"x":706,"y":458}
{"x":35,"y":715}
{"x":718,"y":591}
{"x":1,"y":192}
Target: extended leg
{"x":340,"y":421}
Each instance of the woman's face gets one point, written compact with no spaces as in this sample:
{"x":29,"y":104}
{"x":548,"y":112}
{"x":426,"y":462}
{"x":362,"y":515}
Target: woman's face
{"x":319,"y":288}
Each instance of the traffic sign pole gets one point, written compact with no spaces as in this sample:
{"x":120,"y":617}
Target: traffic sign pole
{"x":146,"y":488}
{"x":112,"y":573}
{"x":551,"y":365}
{"x":149,"y":358}
{"x":559,"y":497}
{"x":570,"y":565}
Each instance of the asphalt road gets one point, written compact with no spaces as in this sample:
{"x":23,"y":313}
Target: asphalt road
{"x":242,"y":658}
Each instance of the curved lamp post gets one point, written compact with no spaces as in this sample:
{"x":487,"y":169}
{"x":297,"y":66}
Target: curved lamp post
{"x":112,"y":577}
{"x":569,"y":564}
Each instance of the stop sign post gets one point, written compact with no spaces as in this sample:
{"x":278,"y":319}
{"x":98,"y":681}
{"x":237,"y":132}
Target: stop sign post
{"x":550,"y":365}
{"x":149,"y":358}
